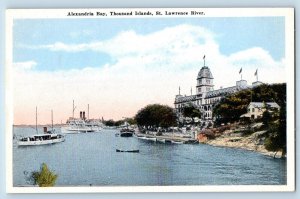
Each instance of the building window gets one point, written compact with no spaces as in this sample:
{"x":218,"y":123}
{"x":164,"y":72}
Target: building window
{"x":252,"y":109}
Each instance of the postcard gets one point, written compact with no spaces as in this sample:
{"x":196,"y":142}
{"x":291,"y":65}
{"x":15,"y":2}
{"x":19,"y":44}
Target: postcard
{"x":150,"y":100}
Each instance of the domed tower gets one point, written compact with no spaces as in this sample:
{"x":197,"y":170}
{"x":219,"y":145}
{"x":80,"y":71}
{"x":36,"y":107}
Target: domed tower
{"x":204,"y":80}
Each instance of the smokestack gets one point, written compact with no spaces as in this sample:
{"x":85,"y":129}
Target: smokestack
{"x":80,"y":114}
{"x":83,"y":115}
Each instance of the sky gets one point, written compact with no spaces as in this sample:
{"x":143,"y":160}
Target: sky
{"x":118,"y":66}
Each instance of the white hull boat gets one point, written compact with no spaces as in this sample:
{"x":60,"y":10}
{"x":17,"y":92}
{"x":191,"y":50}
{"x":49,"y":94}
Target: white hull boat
{"x":148,"y":138}
{"x":49,"y":137}
{"x":79,"y":126}
{"x":41,"y":140}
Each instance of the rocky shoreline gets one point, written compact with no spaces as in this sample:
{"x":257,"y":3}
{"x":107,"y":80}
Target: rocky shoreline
{"x":253,"y":142}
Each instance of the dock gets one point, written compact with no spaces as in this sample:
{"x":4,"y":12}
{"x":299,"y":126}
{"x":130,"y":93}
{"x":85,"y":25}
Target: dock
{"x":167,"y":138}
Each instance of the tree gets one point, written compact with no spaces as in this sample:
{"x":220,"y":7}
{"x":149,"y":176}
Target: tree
{"x":231,"y":107}
{"x":266,"y":118}
{"x":191,"y":111}
{"x":276,"y":140}
{"x":156,"y":115}
{"x":44,"y":177}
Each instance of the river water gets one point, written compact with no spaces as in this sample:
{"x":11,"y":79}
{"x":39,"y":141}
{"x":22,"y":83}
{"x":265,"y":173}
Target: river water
{"x":91,"y":160}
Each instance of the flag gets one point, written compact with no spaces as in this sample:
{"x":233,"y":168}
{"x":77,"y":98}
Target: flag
{"x":255,"y":74}
{"x":241,"y":70}
{"x":204,"y":57}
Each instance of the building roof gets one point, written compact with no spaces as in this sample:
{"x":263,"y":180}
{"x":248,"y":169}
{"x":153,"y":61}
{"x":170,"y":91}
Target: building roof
{"x":204,"y":73}
{"x":222,"y":91}
{"x":261,"y":104}
{"x":181,"y":99}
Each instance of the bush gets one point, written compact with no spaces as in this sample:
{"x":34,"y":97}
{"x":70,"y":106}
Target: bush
{"x":44,"y":177}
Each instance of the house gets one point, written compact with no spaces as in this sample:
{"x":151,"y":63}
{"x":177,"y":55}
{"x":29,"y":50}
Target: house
{"x":256,"y":109}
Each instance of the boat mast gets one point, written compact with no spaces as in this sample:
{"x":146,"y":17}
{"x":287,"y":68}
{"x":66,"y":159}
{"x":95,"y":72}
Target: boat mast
{"x":73,"y":110}
{"x":36,"y":120}
{"x":52,"y":119}
{"x":88,"y":111}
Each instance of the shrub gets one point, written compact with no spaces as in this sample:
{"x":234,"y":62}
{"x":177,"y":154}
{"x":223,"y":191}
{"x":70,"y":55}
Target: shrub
{"x":44,"y":177}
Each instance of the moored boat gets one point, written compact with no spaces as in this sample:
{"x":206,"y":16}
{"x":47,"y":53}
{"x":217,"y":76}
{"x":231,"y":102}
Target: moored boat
{"x":77,"y":126}
{"x":81,"y":125}
{"x":128,"y":151}
{"x":148,"y":138}
{"x":161,"y":140}
{"x":177,"y":142}
{"x":125,"y":132}
{"x":42,"y":139}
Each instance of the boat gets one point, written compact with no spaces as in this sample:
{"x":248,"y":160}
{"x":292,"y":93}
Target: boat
{"x":177,"y":142}
{"x":80,"y":125}
{"x":77,"y":125}
{"x":126,"y":131}
{"x":161,"y":140}
{"x":148,"y":138}
{"x":41,"y":139}
{"x":128,"y":151}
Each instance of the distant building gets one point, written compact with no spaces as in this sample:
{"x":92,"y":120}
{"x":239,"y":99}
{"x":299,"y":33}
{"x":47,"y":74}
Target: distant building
{"x":256,"y":109}
{"x":206,"y":97}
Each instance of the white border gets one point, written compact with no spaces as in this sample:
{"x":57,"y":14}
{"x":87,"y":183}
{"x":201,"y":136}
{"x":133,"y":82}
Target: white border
{"x":288,"y":13}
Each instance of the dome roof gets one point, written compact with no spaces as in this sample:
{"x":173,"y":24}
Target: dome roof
{"x":204,"y":73}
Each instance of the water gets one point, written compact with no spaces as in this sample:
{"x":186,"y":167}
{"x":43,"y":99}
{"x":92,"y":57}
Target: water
{"x":91,"y":159}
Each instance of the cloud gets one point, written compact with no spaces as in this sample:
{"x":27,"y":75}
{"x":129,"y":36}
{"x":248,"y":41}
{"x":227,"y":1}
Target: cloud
{"x":147,"y":69}
{"x":25,"y":65}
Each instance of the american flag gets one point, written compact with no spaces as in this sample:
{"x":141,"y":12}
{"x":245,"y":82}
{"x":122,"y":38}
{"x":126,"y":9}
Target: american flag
{"x":241,"y":70}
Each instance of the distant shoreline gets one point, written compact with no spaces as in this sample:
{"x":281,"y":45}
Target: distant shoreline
{"x":39,"y":125}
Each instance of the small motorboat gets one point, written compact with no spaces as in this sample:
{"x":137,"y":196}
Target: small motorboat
{"x":177,"y":142}
{"x":128,"y":151}
{"x":148,"y":138}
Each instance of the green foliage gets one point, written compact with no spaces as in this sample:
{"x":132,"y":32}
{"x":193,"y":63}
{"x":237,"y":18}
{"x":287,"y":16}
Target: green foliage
{"x":277,"y":134}
{"x":111,"y":122}
{"x":44,"y":177}
{"x":230,"y":108}
{"x":191,"y":111}
{"x":156,"y":115}
{"x":130,"y":121}
{"x":266,"y":118}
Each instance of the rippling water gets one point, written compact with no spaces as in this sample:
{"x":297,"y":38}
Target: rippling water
{"x":91,"y":159}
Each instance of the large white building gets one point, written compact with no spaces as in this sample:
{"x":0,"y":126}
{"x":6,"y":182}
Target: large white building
{"x":206,"y":96}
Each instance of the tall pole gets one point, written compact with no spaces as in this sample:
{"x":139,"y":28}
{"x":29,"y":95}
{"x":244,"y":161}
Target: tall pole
{"x":73,"y":110}
{"x":204,"y":60}
{"x":88,"y":111}
{"x":36,"y":120}
{"x":52,"y":119}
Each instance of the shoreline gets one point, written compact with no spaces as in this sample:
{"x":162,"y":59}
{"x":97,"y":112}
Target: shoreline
{"x":249,"y":143}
